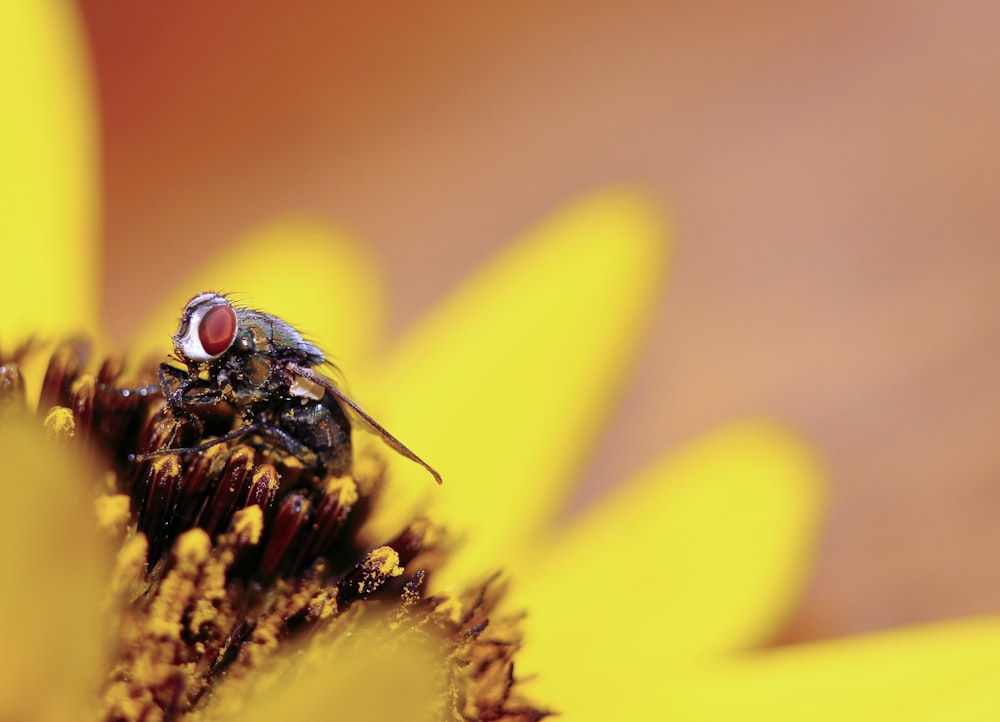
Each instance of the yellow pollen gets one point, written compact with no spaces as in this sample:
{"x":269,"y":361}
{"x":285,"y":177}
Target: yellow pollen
{"x":345,"y":489}
{"x":166,"y":464}
{"x":112,"y":512}
{"x":59,"y":423}
{"x":384,"y":561}
{"x":451,"y":608}
{"x":177,"y":590}
{"x":326,"y":606}
{"x":265,"y":471}
{"x":248,"y":524}
{"x":211,"y":589}
{"x":192,"y":548}
{"x":129,"y":565}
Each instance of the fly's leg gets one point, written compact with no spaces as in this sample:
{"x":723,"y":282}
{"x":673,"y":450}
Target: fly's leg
{"x":205,"y":446}
{"x":140,"y":391}
{"x":290,"y":444}
{"x":135,"y":391}
{"x":165,"y":370}
{"x":281,"y":438}
{"x":179,"y":396}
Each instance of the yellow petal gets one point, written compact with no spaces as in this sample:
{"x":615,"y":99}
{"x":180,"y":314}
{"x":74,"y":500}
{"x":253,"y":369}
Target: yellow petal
{"x":940,"y":672}
{"x":366,"y":680}
{"x":704,"y":554}
{"x":48,"y":173}
{"x":317,"y":278}
{"x":51,"y":569}
{"x":505,"y":387}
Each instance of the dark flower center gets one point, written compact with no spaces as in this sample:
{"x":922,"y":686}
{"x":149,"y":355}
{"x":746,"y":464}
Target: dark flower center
{"x":230,"y":555}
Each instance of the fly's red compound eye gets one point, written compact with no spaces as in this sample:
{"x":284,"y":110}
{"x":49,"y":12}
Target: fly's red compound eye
{"x":217,"y":330}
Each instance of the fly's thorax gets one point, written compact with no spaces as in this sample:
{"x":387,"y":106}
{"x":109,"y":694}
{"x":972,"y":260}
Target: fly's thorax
{"x":266,"y":334}
{"x":258,"y":370}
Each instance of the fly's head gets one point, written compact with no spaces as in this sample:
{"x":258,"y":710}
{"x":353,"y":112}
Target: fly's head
{"x":208,"y":329}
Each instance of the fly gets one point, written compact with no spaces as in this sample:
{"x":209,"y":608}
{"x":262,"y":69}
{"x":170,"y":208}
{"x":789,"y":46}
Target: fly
{"x":262,"y":367}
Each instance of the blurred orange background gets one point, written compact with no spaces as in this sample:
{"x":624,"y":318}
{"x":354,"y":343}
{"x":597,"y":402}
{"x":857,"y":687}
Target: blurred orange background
{"x":832,"y":169}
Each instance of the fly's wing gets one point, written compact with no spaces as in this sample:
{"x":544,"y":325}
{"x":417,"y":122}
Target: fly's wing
{"x":358,"y":414}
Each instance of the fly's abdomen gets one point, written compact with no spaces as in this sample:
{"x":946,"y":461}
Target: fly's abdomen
{"x":323,"y":430}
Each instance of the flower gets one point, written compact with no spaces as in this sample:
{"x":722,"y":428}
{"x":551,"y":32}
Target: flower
{"x":651,"y":605}
{"x":229,"y":557}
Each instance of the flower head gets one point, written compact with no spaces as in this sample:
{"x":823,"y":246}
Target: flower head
{"x":230,"y":555}
{"x":652,"y":605}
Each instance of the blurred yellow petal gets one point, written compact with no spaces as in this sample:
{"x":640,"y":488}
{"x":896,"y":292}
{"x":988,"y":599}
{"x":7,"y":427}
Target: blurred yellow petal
{"x":704,"y":554}
{"x":48,"y":172}
{"x":368,"y":679}
{"x":317,"y":278}
{"x":939,"y":672}
{"x":639,"y":610}
{"x":51,"y":571}
{"x":506,"y":386}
